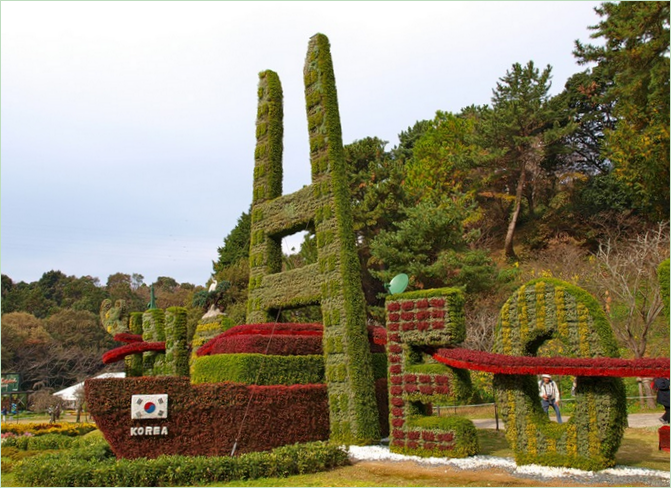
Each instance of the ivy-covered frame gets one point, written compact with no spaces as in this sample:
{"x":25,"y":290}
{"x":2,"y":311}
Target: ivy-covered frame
{"x":334,"y":281}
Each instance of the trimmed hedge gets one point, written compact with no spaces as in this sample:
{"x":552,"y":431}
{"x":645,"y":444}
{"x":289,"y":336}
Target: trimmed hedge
{"x":427,"y":436}
{"x":258,"y":369}
{"x":39,"y":443}
{"x":274,"y":370}
{"x":68,"y":469}
{"x":206,"y":419}
{"x":206,"y":330}
{"x":538,"y":311}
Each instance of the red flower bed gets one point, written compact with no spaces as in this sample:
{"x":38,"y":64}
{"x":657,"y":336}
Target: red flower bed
{"x":128,"y":337}
{"x":206,"y":419}
{"x":282,"y":345}
{"x":503,"y":364}
{"x":134,"y":348}
{"x":276,"y":328}
{"x":288,"y":340}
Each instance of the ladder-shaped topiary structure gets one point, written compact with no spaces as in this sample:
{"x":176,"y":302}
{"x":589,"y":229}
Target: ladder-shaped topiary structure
{"x":334,"y":282}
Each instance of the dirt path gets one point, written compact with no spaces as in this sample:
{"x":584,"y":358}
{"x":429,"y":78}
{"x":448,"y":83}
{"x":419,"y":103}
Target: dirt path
{"x":422,"y":475}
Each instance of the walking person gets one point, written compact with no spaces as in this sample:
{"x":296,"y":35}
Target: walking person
{"x":549,"y":393}
{"x":661,"y":386}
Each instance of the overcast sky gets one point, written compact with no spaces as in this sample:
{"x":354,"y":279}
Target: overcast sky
{"x":128,"y":128}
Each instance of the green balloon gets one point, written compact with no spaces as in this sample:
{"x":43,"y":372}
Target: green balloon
{"x":398,"y":284}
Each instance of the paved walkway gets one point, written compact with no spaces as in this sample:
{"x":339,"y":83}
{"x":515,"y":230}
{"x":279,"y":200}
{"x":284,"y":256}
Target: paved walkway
{"x":636,"y":420}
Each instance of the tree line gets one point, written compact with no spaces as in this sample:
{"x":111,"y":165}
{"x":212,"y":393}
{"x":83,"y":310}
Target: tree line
{"x":51,"y":330}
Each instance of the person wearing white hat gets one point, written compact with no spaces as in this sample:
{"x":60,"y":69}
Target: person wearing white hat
{"x":549,"y":393}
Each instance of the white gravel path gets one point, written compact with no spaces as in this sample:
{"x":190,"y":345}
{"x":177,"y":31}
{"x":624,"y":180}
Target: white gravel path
{"x":616,"y":475}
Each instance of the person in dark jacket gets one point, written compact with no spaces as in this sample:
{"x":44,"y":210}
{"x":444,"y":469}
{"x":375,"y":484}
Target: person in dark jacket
{"x":661,"y":386}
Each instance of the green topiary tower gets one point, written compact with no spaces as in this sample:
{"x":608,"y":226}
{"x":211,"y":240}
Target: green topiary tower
{"x":334,"y":282}
{"x":153,"y":330}
{"x":134,"y":361}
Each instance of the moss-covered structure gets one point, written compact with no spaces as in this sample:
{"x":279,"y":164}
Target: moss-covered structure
{"x":419,"y":322}
{"x":334,"y":282}
{"x":552,"y":309}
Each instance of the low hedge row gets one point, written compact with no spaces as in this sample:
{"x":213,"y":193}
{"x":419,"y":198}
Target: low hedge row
{"x":65,"y":469}
{"x":39,"y":443}
{"x":46,"y":428}
{"x":258,"y":369}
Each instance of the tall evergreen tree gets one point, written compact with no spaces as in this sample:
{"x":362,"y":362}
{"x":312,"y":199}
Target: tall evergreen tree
{"x":520,"y":128}
{"x":636,"y":57}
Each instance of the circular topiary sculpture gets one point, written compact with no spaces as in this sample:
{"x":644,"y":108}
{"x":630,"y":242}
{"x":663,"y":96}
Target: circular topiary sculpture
{"x":547,"y":309}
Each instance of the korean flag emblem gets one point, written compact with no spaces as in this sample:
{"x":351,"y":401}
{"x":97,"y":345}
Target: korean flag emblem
{"x":149,"y":407}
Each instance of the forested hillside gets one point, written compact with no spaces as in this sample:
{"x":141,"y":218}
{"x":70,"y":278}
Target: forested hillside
{"x":51,"y":330}
{"x":574,"y":186}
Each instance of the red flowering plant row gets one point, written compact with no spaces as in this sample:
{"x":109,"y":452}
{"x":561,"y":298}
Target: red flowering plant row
{"x":416,"y":319}
{"x":119,"y":353}
{"x":276,"y":329}
{"x":208,"y":419}
{"x":128,"y":337}
{"x":504,"y":364}
{"x":282,"y":345}
{"x":287,"y":340}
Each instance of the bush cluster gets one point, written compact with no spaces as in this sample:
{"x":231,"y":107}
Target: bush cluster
{"x":87,"y":467}
{"x":46,"y":428}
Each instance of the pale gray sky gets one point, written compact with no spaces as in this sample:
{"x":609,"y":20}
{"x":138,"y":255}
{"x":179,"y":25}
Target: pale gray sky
{"x":128,"y":127}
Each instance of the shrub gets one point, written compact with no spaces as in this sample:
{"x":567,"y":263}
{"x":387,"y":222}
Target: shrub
{"x":69,"y":469}
{"x":46,"y":428}
{"x":258,"y":369}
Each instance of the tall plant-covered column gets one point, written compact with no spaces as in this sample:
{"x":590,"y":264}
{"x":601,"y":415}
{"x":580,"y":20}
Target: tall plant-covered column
{"x":153,"y":330}
{"x":134,"y":361}
{"x":349,"y":373}
{"x":265,"y":253}
{"x":176,"y":349}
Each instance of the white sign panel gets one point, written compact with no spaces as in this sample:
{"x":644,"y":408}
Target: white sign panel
{"x":149,"y":406}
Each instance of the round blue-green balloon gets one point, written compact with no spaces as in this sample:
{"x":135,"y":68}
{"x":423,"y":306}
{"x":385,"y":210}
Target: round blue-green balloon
{"x":398,"y":284}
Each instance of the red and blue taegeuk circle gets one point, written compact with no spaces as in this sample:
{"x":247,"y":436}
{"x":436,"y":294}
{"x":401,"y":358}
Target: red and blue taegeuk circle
{"x":149,"y":407}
